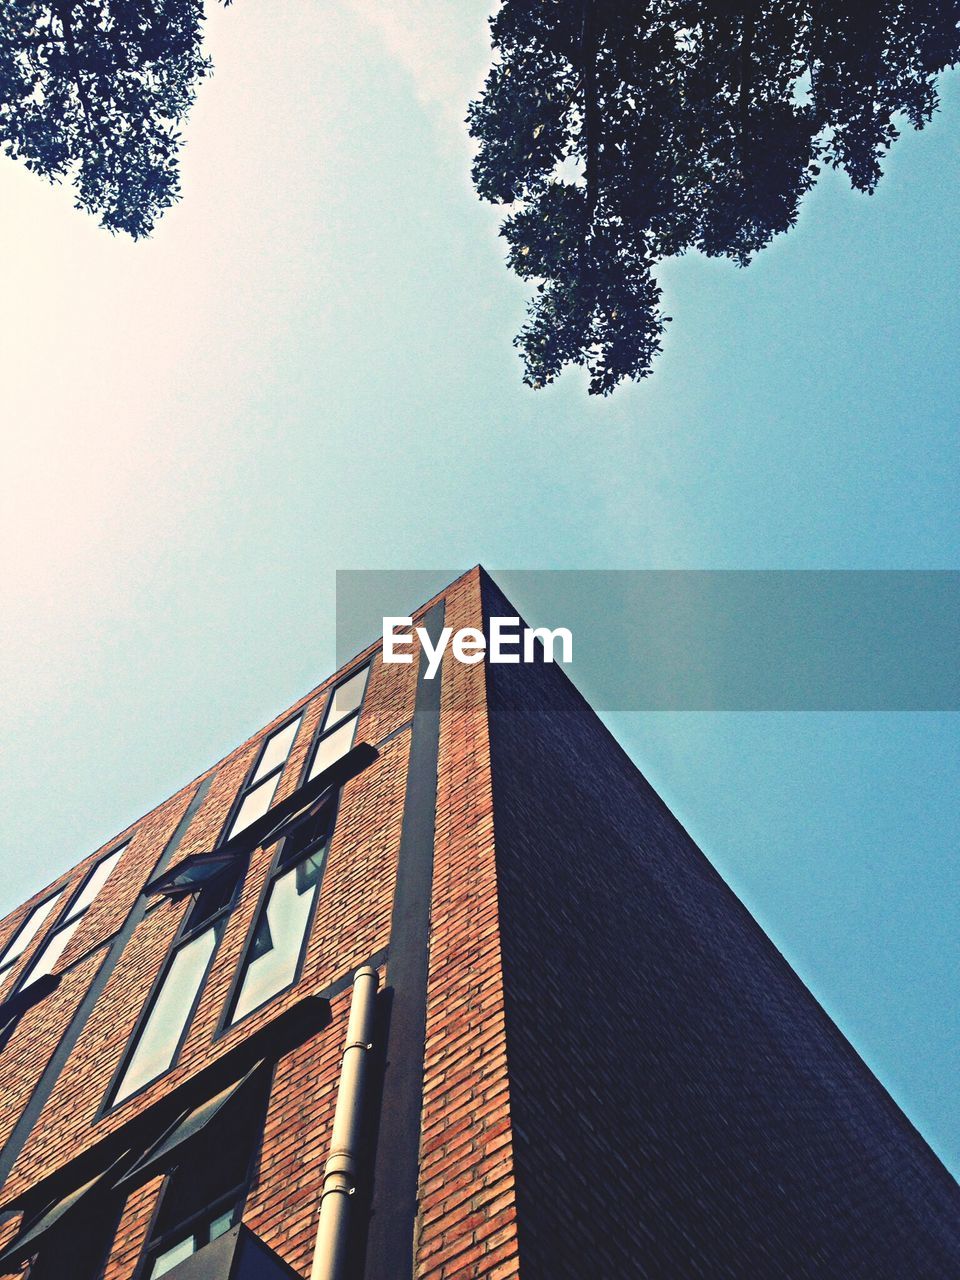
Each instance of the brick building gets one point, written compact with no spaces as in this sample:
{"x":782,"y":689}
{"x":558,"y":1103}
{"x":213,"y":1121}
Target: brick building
{"x":585,"y":1057}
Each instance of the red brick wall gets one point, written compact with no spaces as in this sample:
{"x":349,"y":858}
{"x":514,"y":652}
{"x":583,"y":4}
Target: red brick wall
{"x":35,"y":1038}
{"x":132,"y":1236}
{"x":467,"y":1224}
{"x":351,"y":923}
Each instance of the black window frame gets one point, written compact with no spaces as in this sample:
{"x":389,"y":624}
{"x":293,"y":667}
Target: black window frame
{"x":280,"y":864}
{"x":69,"y":915}
{"x":183,"y":936}
{"x":193,"y":923}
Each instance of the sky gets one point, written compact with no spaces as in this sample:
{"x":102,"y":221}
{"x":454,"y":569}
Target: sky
{"x":309,"y":368}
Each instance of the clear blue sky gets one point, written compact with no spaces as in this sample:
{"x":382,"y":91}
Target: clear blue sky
{"x":309,"y":368}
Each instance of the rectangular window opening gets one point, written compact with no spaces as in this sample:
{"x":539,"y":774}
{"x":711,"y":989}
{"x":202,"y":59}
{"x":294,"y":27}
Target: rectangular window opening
{"x":203,"y":1196}
{"x":346,"y":698}
{"x":257,"y":794}
{"x":338,"y":729}
{"x":31,"y":926}
{"x":49,"y":955}
{"x":163,"y":1028}
{"x":276,"y":947}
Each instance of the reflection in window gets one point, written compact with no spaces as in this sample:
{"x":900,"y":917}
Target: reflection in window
{"x":93,"y":884}
{"x":260,"y":788}
{"x":254,"y":804}
{"x":339,"y":727}
{"x":276,"y":750}
{"x":346,"y":698}
{"x":163,"y":1028}
{"x":56,"y":944}
{"x":52,"y":950}
{"x":333,"y":746}
{"x":28,"y":931}
{"x":275,"y":950}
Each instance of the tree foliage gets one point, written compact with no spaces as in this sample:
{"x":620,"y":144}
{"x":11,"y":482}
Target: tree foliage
{"x":624,"y":133}
{"x":93,"y":91}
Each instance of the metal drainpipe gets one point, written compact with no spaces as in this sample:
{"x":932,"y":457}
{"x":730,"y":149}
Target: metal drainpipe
{"x":340,"y":1174}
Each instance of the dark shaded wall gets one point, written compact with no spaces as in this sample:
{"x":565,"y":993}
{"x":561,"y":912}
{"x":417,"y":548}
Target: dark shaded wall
{"x":681,"y":1105}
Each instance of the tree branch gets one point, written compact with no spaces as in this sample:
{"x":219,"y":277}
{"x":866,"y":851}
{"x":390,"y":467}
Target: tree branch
{"x":591,"y":107}
{"x":747,"y":37}
{"x":63,"y":8}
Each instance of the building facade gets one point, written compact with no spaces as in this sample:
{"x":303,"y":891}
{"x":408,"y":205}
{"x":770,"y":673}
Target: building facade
{"x":585,"y":1057}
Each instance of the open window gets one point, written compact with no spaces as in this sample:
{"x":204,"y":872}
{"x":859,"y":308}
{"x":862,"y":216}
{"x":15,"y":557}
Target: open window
{"x":79,"y":1224}
{"x":204,"y":1138}
{"x":210,"y":1155}
{"x":275,"y":949}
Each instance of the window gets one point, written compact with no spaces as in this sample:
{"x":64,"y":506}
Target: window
{"x":208,"y":1154}
{"x":163,"y":1025}
{"x":169,"y":1008}
{"x":276,"y":946}
{"x":162,"y":1029}
{"x":339,"y":726}
{"x":49,"y":955}
{"x":258,"y":791}
{"x":204,"y":1195}
{"x":28,"y":931}
{"x":78,"y":1224}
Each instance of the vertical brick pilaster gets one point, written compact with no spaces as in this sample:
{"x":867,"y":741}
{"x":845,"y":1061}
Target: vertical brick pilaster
{"x":467,"y":1220}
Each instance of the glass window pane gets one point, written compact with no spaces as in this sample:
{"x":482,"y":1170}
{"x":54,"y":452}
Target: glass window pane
{"x":333,"y":746}
{"x":29,"y":929}
{"x":211,"y":1172}
{"x":255,"y":804}
{"x":346,"y":698}
{"x":95,"y":883}
{"x":52,"y":950}
{"x":222,"y":1223}
{"x":278,"y":938}
{"x":165,"y":1023}
{"x":277,"y":749}
{"x":307,"y":838}
{"x":213,"y":898}
{"x":167,"y":1260}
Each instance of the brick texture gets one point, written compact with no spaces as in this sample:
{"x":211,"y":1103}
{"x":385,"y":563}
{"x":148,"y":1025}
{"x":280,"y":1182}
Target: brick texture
{"x":467,"y":1225}
{"x":681,"y":1105}
{"x":352,"y":922}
